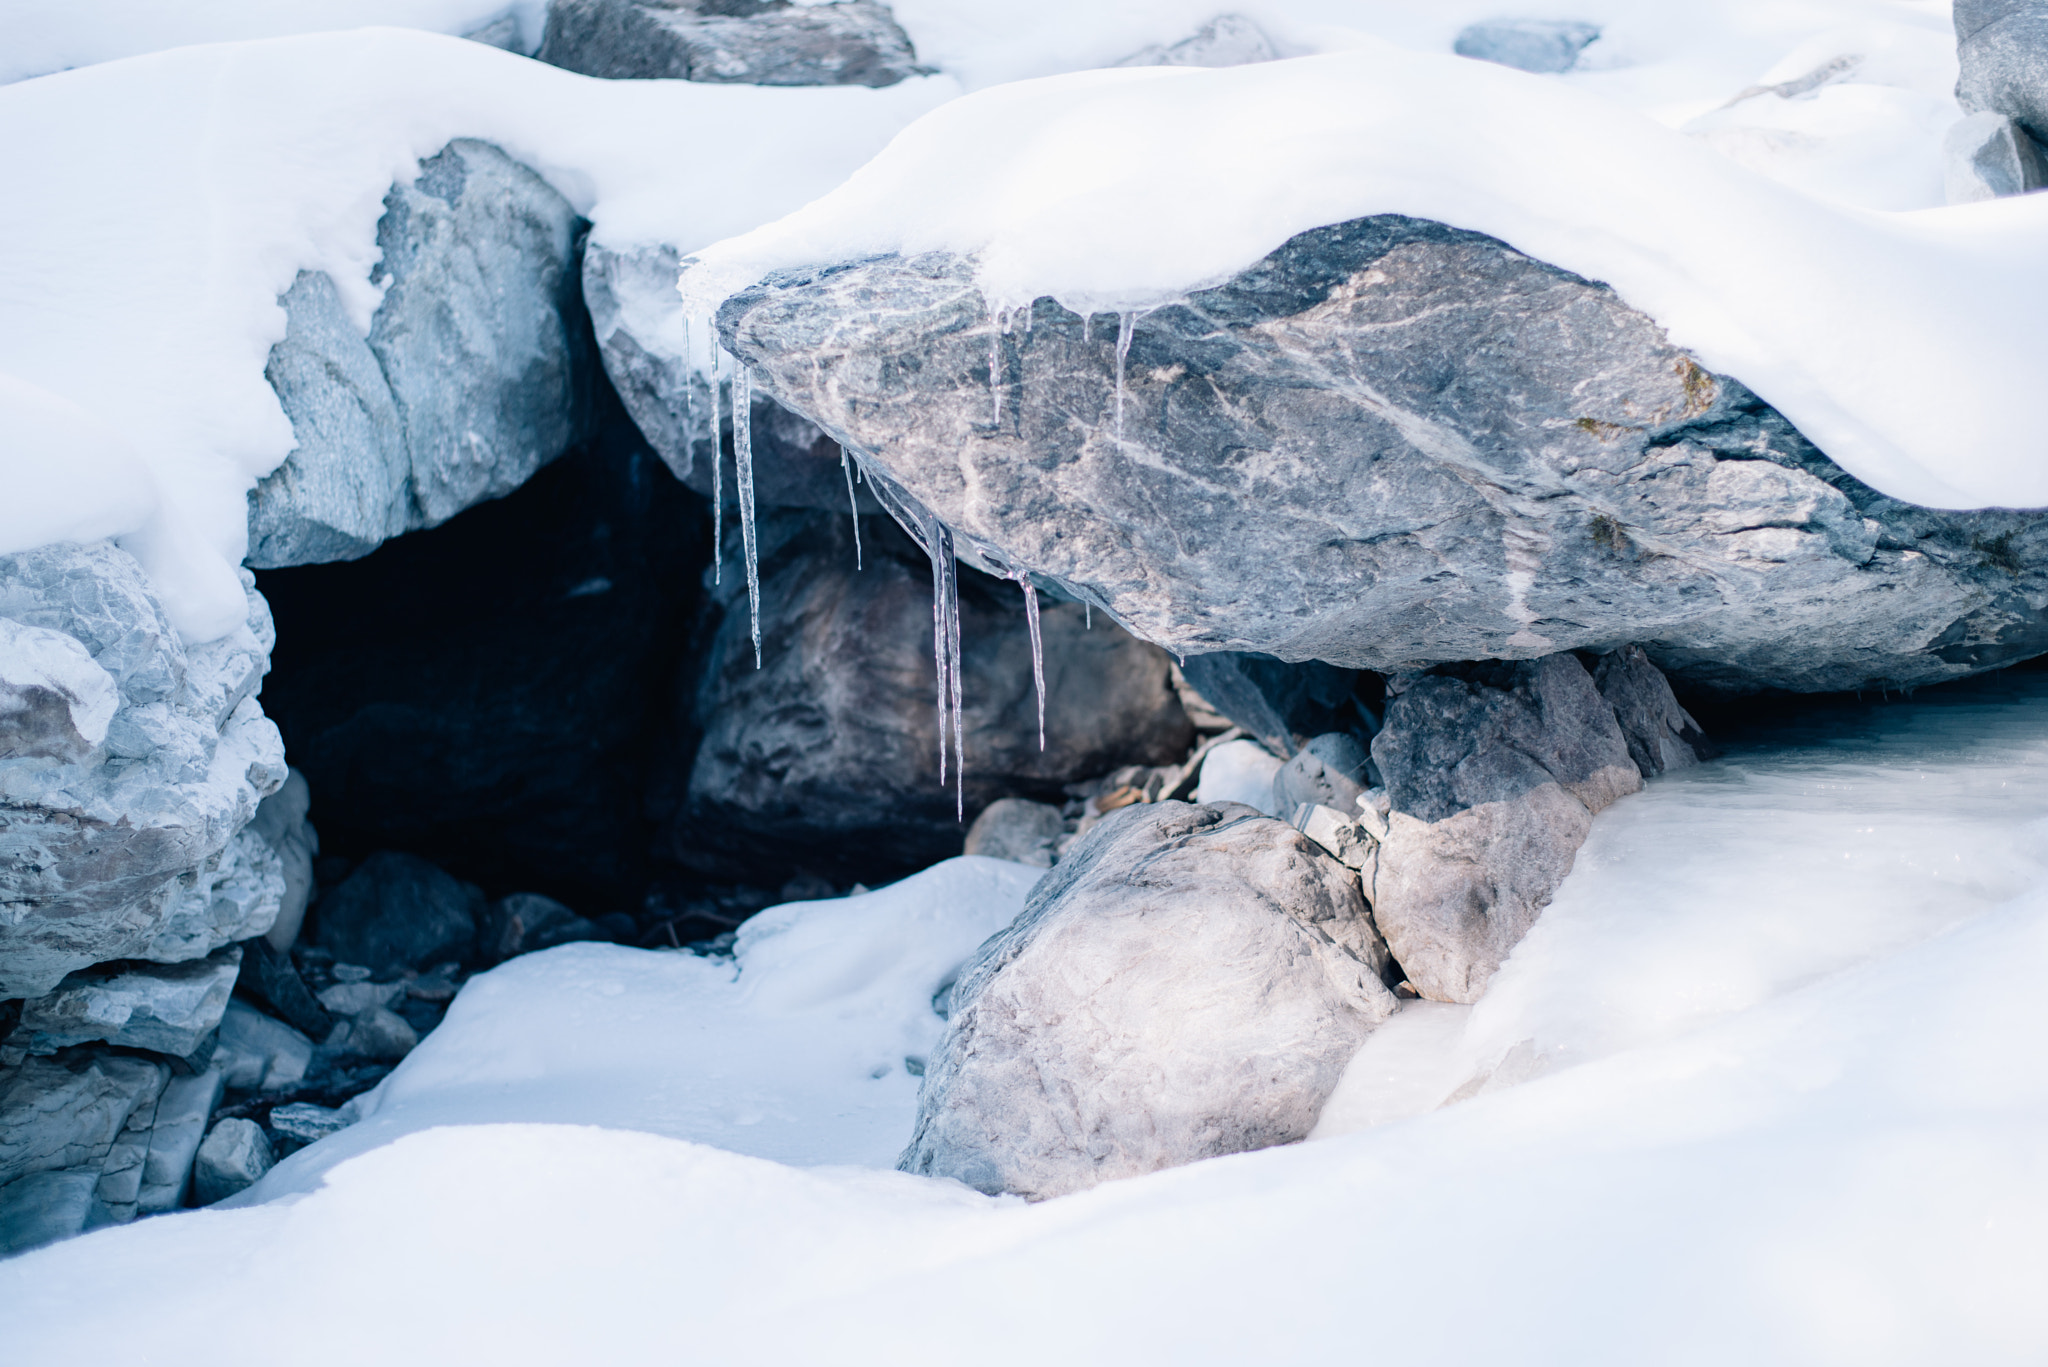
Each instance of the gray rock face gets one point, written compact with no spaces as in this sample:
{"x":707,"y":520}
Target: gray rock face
{"x":235,"y":1155}
{"x":1494,"y":772}
{"x":826,"y":758}
{"x":1661,"y":735}
{"x":526,"y":921}
{"x":477,"y":370}
{"x":1540,"y":45}
{"x":2002,"y":49}
{"x":1389,"y":444}
{"x":642,"y":334}
{"x":1276,"y":701}
{"x":168,"y":1008}
{"x":398,"y":911}
{"x":1189,"y":981}
{"x":74,"y":1143}
{"x":1017,"y":829}
{"x":129,"y":848}
{"x":181,"y":1115}
{"x":753,"y":42}
{"x":258,"y":1054}
{"x":1988,"y":156}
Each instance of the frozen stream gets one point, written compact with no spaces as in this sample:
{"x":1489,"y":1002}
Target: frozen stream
{"x":1767,"y":1083}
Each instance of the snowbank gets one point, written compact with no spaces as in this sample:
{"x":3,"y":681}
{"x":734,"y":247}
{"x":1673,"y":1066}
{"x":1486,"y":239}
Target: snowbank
{"x":1795,"y":1104}
{"x":162,"y":204}
{"x":1903,"y":344}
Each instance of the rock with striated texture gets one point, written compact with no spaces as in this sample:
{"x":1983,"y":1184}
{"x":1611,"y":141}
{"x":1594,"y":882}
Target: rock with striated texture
{"x":166,"y":1008}
{"x":826,"y":759}
{"x":132,"y":848}
{"x":1391,"y":444}
{"x":477,"y":370}
{"x":755,"y":42}
{"x":1494,"y":772}
{"x":1188,"y":981}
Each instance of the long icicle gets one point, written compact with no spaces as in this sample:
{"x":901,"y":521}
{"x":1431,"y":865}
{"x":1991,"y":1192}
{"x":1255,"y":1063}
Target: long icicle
{"x":689,"y":390}
{"x":717,"y":467}
{"x":852,"y":502}
{"x":1126,"y":323}
{"x":1037,"y":648}
{"x":931,"y":537}
{"x":743,"y":464}
{"x":953,"y":670}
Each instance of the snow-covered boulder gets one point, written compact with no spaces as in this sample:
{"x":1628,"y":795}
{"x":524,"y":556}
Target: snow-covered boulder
{"x":1393,"y":443}
{"x":1543,"y":46}
{"x":2002,"y":50}
{"x":1494,"y":772}
{"x":131,"y":849}
{"x":477,"y":369}
{"x":755,"y":42}
{"x":1189,"y":981}
{"x":826,"y":757}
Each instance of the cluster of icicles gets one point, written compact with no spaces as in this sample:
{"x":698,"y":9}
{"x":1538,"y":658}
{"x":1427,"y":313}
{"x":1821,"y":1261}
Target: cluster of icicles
{"x":728,"y":373}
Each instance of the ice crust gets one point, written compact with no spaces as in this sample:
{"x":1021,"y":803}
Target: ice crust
{"x":1784,"y":1103}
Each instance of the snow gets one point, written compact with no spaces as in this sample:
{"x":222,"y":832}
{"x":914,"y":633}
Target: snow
{"x":1789,"y":1109}
{"x":1903,"y":344}
{"x":177,"y":195}
{"x":1239,"y":771}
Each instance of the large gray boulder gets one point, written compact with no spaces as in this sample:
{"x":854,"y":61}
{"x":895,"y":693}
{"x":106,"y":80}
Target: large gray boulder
{"x":2002,"y":53}
{"x":167,"y":1008}
{"x":1389,"y":444}
{"x":825,"y":759}
{"x":754,"y":42}
{"x":132,"y":846}
{"x":1188,"y":981}
{"x":1494,"y":772}
{"x":477,"y":370}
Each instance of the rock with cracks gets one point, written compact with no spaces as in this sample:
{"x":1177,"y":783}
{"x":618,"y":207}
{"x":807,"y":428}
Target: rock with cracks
{"x":1494,"y":772}
{"x":1390,"y":444}
{"x":1188,"y":981}
{"x":121,"y":817}
{"x":754,"y":42}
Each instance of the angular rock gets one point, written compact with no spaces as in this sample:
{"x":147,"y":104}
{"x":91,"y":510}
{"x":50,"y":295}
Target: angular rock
{"x":256,"y":1053}
{"x":1333,"y":770}
{"x":1019,"y":830}
{"x":181,"y":1116}
{"x":1661,"y":735}
{"x":373,"y":1033}
{"x":1188,"y":981}
{"x":347,"y":999}
{"x":1279,"y":702}
{"x":86,"y":1113}
{"x":477,"y":370}
{"x":166,"y":1008}
{"x":130,"y":848}
{"x":755,"y":42}
{"x":1494,"y":772}
{"x":55,"y":701}
{"x":526,"y":921}
{"x":302,"y":1122}
{"x":398,"y":911}
{"x":1389,"y":444}
{"x":234,"y":1157}
{"x":45,"y":1207}
{"x":825,"y":759}
{"x":270,"y":978}
{"x":1988,"y":156}
{"x":2002,"y":52}
{"x":1226,"y":40}
{"x":1539,"y":45}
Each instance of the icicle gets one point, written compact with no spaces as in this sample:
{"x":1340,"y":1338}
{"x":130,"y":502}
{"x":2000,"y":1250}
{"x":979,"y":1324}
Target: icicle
{"x":852,"y":502}
{"x":1126,"y":323}
{"x":689,"y":389}
{"x":1087,"y":319}
{"x":743,"y":465}
{"x":1088,"y":614}
{"x":1037,"y":648}
{"x":932,"y":547}
{"x":717,"y":465}
{"x":953,"y":671}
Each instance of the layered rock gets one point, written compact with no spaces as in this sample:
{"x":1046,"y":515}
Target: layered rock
{"x":121,"y":831}
{"x":1393,"y":443}
{"x":1188,"y":981}
{"x":477,"y":369}
{"x":754,"y":42}
{"x":825,"y":758}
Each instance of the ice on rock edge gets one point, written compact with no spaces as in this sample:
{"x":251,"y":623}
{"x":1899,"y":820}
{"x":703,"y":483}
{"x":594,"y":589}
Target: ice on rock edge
{"x":743,"y":467}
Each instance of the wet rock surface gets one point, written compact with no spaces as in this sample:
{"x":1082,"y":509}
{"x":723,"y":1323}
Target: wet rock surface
{"x":756,"y":42}
{"x":1391,"y":444}
{"x":1189,"y":981}
{"x":825,"y":759}
{"x":478,"y":368}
